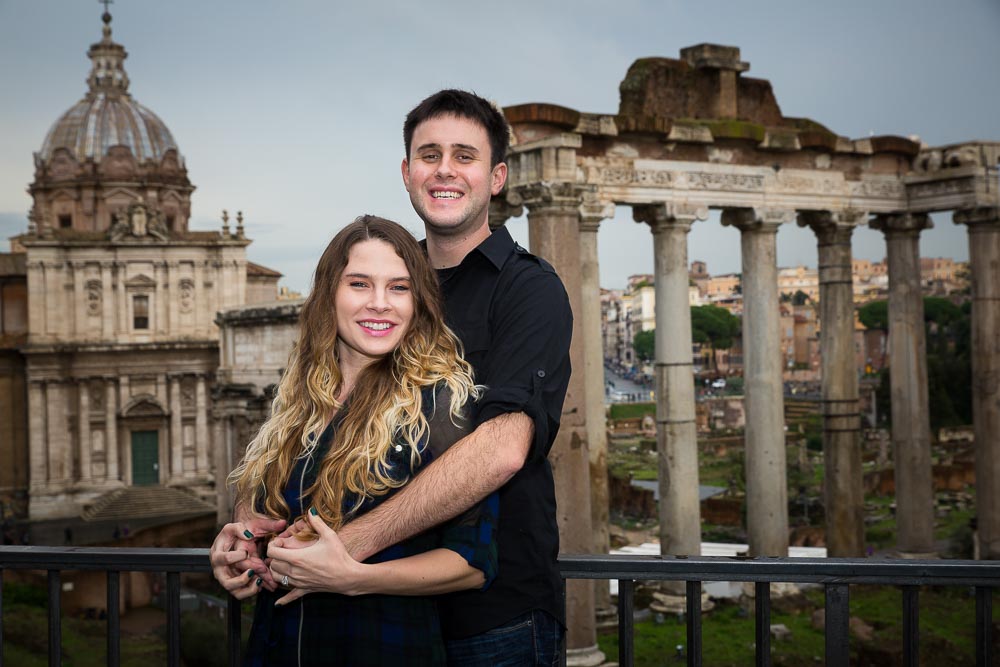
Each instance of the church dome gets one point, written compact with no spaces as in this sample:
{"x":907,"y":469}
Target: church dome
{"x":108,"y":116}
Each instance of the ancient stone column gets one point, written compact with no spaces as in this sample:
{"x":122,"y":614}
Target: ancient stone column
{"x":201,"y":426}
{"x":83,"y":429}
{"x":842,"y":484}
{"x":111,"y":429}
{"x":767,"y":487}
{"x":676,"y":431}
{"x":984,"y":265}
{"x":554,"y":234}
{"x":911,"y":428}
{"x":592,"y":212}
{"x":176,"y":429}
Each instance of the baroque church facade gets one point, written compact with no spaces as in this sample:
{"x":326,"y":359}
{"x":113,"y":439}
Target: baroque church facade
{"x":112,"y":364}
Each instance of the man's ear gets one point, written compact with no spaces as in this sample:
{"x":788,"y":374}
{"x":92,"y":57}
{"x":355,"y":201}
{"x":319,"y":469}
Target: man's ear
{"x":405,"y":168}
{"x":499,"y":177}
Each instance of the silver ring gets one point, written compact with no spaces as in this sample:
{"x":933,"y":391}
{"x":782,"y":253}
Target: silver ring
{"x":284,"y":580}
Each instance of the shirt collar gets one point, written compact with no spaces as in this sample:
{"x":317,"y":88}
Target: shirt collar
{"x":497,"y":247}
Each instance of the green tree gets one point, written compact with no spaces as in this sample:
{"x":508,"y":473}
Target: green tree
{"x":714,"y":325}
{"x":875,"y":315}
{"x":949,"y":366}
{"x":644,"y":345}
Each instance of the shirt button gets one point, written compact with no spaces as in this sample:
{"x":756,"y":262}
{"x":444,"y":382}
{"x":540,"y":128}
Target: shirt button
{"x":541,"y":374}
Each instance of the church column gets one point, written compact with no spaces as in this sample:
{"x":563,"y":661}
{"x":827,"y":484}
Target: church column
{"x":83,"y":428}
{"x":107,"y":303}
{"x":201,"y":426}
{"x":911,"y":429}
{"x":843,"y":490}
{"x":676,"y":430}
{"x":176,"y":433}
{"x":111,"y":428}
{"x":60,"y":449}
{"x":592,"y":212}
{"x":554,"y":234}
{"x":984,"y":265}
{"x":171,"y":292}
{"x":124,"y":325}
{"x":767,"y":488}
{"x":38,"y":447}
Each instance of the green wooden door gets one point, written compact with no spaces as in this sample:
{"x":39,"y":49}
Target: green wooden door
{"x":145,"y":458}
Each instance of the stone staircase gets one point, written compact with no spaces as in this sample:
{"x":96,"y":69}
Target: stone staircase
{"x":136,"y":502}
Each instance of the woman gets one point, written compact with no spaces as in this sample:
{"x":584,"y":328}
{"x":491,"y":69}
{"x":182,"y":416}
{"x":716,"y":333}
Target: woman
{"x":374,"y":390}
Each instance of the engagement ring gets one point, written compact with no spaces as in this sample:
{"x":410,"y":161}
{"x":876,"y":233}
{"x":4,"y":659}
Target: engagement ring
{"x":284,"y":580}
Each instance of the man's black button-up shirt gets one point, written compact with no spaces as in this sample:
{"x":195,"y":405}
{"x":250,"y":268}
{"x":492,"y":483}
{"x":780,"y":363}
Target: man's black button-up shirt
{"x":511,"y":312}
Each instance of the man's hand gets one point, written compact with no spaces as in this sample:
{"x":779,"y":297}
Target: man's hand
{"x":235,"y":562}
{"x":324,"y":565}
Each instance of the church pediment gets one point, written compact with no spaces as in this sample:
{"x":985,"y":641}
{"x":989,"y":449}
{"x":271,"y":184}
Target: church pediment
{"x":144,"y":405}
{"x":141,"y":281}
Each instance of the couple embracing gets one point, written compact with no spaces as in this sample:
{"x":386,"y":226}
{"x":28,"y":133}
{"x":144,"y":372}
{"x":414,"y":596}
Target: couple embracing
{"x":404,"y":468}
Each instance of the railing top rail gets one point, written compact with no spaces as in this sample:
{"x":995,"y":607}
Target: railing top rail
{"x":123,"y":559}
{"x":798,"y":570}
{"x":584,"y":566}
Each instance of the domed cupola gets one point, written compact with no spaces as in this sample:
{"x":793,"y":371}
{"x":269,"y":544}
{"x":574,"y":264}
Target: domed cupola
{"x":108,"y":137}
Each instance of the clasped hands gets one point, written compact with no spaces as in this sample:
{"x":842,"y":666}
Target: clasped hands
{"x":320,"y":564}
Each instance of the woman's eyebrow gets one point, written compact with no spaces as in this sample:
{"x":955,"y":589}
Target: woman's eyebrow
{"x":368,"y":277}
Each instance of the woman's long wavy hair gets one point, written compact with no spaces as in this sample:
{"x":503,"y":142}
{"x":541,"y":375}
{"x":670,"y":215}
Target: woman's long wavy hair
{"x":385,"y":404}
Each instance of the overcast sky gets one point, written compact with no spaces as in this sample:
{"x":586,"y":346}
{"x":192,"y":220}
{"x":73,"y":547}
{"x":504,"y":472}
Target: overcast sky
{"x":292,"y":111}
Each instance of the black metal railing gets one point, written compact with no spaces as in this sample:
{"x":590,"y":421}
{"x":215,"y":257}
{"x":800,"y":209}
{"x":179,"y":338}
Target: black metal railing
{"x":834,"y":574}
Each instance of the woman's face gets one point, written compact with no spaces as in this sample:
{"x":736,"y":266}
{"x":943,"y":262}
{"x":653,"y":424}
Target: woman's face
{"x":374,"y":303}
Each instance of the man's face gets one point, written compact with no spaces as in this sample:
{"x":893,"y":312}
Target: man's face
{"x":448,"y":175}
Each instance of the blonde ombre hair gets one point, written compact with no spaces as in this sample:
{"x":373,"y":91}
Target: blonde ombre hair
{"x":385,"y":406}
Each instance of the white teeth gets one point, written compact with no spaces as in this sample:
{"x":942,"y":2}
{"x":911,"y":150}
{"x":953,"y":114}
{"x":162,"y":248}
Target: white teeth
{"x":375,"y":326}
{"x":446,"y":195}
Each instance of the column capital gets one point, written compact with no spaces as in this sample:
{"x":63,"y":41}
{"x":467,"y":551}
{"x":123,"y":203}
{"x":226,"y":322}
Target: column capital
{"x":594,"y":210}
{"x":832,"y":226}
{"x":561,"y":196}
{"x":981,"y":216}
{"x":501,"y":211}
{"x":901,"y":224}
{"x":762,"y":219}
{"x":669,"y":214}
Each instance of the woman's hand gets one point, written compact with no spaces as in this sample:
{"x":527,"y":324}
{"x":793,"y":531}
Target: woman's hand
{"x":322,"y":565}
{"x":235,"y":563}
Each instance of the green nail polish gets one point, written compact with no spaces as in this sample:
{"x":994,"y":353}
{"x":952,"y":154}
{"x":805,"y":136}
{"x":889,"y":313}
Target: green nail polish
{"x":250,"y":574}
{"x":312,"y":510}
{"x":248,"y":534}
{"x":260,"y":581}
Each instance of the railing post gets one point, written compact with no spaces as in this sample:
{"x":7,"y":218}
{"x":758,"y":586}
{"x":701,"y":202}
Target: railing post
{"x":626,"y":622}
{"x":55,"y":627}
{"x":762,"y":623}
{"x":1,"y":617}
{"x":173,"y":619}
{"x":984,"y":626}
{"x":838,"y":617}
{"x":911,"y":626}
{"x":694,"y":623}
{"x":234,"y":630}
{"x":114,"y":627}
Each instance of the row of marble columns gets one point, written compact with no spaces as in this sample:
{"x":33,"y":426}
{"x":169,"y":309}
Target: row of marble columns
{"x":563,"y":225}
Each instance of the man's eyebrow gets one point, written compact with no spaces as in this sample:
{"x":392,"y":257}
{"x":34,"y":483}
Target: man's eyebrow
{"x":436,"y":146}
{"x":368,"y":277}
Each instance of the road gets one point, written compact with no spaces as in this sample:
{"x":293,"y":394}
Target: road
{"x":628,"y":391}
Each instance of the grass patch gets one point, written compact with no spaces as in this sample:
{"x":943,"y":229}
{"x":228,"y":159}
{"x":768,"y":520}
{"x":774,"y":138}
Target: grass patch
{"x":631,"y":410}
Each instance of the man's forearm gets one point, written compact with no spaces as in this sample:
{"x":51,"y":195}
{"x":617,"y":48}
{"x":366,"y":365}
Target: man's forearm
{"x":471,"y":469}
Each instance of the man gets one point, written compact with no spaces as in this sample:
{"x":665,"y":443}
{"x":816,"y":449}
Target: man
{"x":512,"y":314}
